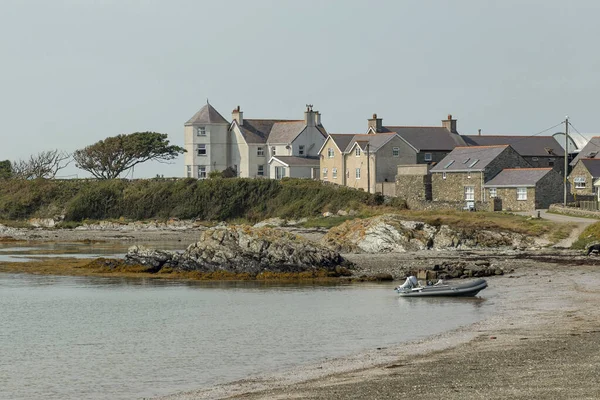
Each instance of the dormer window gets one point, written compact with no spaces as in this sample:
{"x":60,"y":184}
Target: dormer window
{"x":549,"y":150}
{"x":201,"y":131}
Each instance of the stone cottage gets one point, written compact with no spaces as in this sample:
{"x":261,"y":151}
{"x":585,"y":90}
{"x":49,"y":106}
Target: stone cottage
{"x":525,"y":189}
{"x":583,"y":176}
{"x":461,"y":175}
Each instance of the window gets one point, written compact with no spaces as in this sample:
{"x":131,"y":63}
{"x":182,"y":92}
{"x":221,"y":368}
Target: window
{"x":334,"y":173}
{"x":449,"y":164}
{"x":300,"y":150}
{"x":201,"y":131}
{"x":201,"y":172}
{"x":189,"y":171}
{"x":428,"y":157}
{"x":330,"y":153}
{"x":324,"y":173}
{"x":273,"y":152}
{"x":521,"y":193}
{"x":493,"y":193}
{"x":201,"y":149}
{"x":260,"y":152}
{"x":467,"y":160}
{"x":470,"y":193}
{"x":279,"y":172}
{"x":473,"y":163}
{"x":534,"y":158}
{"x":579,"y":182}
{"x":396,"y":152}
{"x":261,"y":170}
{"x":357,"y":173}
{"x":357,"y":151}
{"x":443,"y":175}
{"x":551,"y":162}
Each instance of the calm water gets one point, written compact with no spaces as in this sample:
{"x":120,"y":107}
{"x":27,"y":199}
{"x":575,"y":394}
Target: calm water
{"x":103,"y":338}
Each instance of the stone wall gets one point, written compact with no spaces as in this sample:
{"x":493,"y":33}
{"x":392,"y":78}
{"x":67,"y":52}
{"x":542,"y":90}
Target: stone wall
{"x":555,"y":162}
{"x":549,"y":190}
{"x":448,"y":205}
{"x":508,"y":197}
{"x":574,"y":211}
{"x":581,"y":170}
{"x":452,"y":188}
{"x":413,"y":184}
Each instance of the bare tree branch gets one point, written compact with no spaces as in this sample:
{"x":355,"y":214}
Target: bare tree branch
{"x":45,"y":165}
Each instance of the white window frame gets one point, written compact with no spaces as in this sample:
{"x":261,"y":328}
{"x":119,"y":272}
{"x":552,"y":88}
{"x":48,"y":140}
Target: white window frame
{"x":334,"y":173}
{"x":279,"y":172}
{"x":260,"y":170}
{"x":521,"y":193}
{"x":202,"y":150}
{"x":493,"y":192}
{"x":534,"y":159}
{"x":579,"y":182}
{"x":324,"y":173}
{"x":202,"y":172}
{"x":189,"y":171}
{"x":357,"y":151}
{"x":260,"y":151}
{"x":396,"y":152}
{"x":357,"y":173}
{"x":201,"y":131}
{"x":330,"y":152}
{"x":443,"y":175}
{"x":301,"y":150}
{"x":428,"y":157}
{"x":273,"y":151}
{"x":469,"y":193}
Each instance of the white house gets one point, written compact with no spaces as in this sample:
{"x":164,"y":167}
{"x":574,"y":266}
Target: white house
{"x":273,"y":148}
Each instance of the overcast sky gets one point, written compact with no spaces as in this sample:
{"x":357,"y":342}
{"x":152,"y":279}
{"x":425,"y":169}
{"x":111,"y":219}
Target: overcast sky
{"x":77,"y":71}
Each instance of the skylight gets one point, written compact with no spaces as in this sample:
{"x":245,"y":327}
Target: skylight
{"x":466,"y":161}
{"x":473,"y":163}
{"x":449,"y":164}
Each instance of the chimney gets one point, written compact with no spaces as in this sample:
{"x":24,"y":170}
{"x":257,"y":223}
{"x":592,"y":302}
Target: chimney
{"x":376,"y":124}
{"x":317,"y":118}
{"x":479,"y":132}
{"x":309,"y":115}
{"x":238,"y":115}
{"x":449,"y":124}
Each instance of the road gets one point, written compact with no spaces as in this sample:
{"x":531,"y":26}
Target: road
{"x":581,"y":223}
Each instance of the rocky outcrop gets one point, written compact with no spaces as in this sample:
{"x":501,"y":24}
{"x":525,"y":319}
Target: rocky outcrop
{"x":389,"y":233}
{"x":243,"y":249}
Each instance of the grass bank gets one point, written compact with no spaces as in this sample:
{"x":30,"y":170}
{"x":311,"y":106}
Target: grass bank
{"x":211,"y":200}
{"x":591,"y":234}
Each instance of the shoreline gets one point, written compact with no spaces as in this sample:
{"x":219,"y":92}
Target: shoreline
{"x":542,"y":343}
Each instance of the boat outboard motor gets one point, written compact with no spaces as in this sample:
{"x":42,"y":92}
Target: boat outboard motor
{"x":410,"y":283}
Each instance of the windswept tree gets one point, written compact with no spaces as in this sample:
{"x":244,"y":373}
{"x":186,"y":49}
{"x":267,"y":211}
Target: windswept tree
{"x":45,"y":164}
{"x":109,"y":158}
{"x":5,"y":169}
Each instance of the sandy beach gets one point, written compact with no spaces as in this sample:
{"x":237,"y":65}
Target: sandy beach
{"x":542,"y":343}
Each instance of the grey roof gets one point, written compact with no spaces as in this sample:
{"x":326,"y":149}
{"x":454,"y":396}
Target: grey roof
{"x":528,"y":146}
{"x":375,"y":141}
{"x":471,"y":158}
{"x":523,"y":177}
{"x":276,"y":131}
{"x":590,"y":150}
{"x":294,"y":161}
{"x":207,"y":115}
{"x":342,"y":140}
{"x":286,"y":132}
{"x":592,"y":165}
{"x":425,"y":138}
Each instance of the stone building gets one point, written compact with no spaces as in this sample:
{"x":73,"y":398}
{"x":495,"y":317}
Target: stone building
{"x":583,"y":176}
{"x":250,"y":145}
{"x":525,"y":189}
{"x":413,"y":184}
{"x":538,"y":151}
{"x":461,"y":175}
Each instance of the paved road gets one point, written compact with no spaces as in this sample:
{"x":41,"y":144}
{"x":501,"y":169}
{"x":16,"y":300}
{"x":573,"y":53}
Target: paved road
{"x":582,"y":223}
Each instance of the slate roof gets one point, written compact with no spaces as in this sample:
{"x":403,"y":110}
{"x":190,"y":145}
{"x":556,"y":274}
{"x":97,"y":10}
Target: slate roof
{"x":469,"y":158}
{"x":423,"y":138}
{"x":527,"y":146}
{"x":294,"y":161}
{"x":342,"y":140}
{"x":523,"y":177}
{"x":374,"y":140}
{"x":207,"y":115}
{"x":590,"y":150}
{"x":592,"y":165}
{"x":276,"y":131}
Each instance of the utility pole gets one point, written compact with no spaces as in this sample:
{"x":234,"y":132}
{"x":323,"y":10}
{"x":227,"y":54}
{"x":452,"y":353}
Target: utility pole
{"x":566,"y":159}
{"x":368,"y":170}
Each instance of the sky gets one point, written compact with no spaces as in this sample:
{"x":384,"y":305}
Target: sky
{"x":77,"y":71}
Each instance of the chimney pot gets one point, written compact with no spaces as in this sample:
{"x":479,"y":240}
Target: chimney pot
{"x":375,"y":116}
{"x":449,"y":116}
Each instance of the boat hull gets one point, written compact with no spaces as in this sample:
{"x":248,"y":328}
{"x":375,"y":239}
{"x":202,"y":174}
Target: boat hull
{"x":468,"y":289}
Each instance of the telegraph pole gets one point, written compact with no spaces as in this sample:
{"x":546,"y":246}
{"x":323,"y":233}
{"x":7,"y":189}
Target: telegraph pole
{"x":368,"y":170}
{"x":566,"y":159}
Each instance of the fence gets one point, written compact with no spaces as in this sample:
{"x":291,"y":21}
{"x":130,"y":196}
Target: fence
{"x":590,"y":205}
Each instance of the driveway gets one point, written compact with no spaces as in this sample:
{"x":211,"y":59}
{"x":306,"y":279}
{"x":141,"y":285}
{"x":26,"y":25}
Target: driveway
{"x":581,"y":224}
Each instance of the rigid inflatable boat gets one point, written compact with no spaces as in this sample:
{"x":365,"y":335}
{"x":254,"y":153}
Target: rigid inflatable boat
{"x":412,"y":288}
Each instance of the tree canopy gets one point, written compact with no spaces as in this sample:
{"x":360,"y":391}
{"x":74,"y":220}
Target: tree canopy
{"x":5,"y":169}
{"x":43,"y":165}
{"x":109,"y":158}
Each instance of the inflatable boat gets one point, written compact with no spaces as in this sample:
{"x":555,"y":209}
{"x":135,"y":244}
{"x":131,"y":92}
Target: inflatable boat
{"x":413,"y":288}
